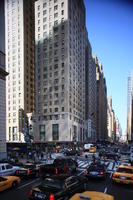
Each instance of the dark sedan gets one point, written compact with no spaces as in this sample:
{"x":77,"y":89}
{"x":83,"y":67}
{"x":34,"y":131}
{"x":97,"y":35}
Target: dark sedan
{"x":96,"y":170}
{"x":28,"y":170}
{"x":59,"y":187}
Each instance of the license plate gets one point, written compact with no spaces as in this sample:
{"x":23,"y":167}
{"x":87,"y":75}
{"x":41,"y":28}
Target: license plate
{"x":122,"y":177}
{"x":21,"y":172}
{"x":94,"y":173}
{"x":40,"y":196}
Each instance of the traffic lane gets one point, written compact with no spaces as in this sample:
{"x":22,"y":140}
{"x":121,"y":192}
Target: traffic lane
{"x":100,"y":185}
{"x":121,"y":191}
{"x":21,"y":192}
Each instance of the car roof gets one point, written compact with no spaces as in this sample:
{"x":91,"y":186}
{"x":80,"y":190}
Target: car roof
{"x":126,"y":166}
{"x":4,"y":163}
{"x":93,"y":195}
{"x":60,"y":177}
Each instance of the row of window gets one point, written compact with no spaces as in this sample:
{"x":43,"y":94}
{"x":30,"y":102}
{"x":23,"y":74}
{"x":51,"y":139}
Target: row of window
{"x":55,"y":7}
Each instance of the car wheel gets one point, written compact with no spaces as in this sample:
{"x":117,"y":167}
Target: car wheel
{"x":14,"y":184}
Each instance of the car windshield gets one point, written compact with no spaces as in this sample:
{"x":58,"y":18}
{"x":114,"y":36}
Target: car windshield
{"x":52,"y":183}
{"x":125,"y":170}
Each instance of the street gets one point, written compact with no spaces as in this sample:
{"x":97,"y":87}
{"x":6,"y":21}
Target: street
{"x":120,"y":192}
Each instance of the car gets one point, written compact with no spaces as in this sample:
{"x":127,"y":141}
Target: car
{"x":7,"y":169}
{"x":93,"y":195}
{"x":59,"y":187}
{"x":7,"y":182}
{"x":61,"y":165}
{"x":111,"y":155}
{"x":28,"y":170}
{"x":123,"y":174}
{"x":92,"y":149}
{"x":96,"y":170}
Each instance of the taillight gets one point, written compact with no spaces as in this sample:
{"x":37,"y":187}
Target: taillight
{"x":28,"y":171}
{"x":17,"y":172}
{"x":101,"y":173}
{"x":65,"y":168}
{"x":51,"y":197}
{"x":56,"y":171}
{"x":31,"y":192}
{"x":86,"y":171}
{"x":114,"y":175}
{"x":131,"y":177}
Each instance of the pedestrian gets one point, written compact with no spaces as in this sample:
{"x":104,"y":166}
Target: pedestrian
{"x":94,"y":158}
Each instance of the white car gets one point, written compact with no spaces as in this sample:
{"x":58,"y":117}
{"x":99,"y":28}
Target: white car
{"x":7,"y":169}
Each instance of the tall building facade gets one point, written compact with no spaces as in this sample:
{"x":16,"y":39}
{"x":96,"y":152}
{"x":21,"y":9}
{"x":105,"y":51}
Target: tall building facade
{"x":91,"y":98}
{"x":60,"y":37}
{"x":3,"y":75}
{"x":109,"y":118}
{"x":20,"y":39}
{"x":101,"y":102}
{"x":130,"y":108}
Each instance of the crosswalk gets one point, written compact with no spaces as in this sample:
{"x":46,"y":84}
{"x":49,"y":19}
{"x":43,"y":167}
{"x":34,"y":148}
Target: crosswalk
{"x":110,"y":164}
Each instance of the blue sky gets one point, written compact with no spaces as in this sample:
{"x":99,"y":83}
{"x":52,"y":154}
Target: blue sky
{"x":110,"y":31}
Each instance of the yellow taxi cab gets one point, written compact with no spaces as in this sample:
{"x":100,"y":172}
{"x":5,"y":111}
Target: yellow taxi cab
{"x":7,"y":182}
{"x":123,"y":174}
{"x":92,"y":195}
{"x":92,"y":150}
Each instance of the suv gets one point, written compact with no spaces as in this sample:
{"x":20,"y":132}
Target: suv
{"x":7,"y":169}
{"x":59,"y":166}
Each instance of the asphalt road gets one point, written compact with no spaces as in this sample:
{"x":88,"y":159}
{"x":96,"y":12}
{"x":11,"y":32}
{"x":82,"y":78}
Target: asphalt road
{"x":120,"y":192}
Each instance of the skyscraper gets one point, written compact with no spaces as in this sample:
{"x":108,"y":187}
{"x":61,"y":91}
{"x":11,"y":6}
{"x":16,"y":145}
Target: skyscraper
{"x":3,"y":75}
{"x":130,"y":108}
{"x":60,"y":34}
{"x":101,"y":102}
{"x":91,"y":98}
{"x":19,"y":18}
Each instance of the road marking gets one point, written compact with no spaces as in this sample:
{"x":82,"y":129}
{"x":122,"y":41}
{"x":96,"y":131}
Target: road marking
{"x":105,"y":190}
{"x":111,"y":174}
{"x":22,"y":186}
{"x":80,"y":173}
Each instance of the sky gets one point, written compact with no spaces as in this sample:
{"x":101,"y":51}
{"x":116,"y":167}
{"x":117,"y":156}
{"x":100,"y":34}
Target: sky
{"x":110,"y":32}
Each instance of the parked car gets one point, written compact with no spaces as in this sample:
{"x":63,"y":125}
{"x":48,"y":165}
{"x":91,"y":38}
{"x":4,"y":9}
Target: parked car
{"x":7,"y":169}
{"x":123,"y":174}
{"x":59,"y":166}
{"x":7,"y":182}
{"x":96,"y":170}
{"x":28,"y":170}
{"x":93,"y":195}
{"x":59,"y":187}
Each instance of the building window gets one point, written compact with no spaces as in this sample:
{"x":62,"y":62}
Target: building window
{"x":55,"y":131}
{"x":55,"y":15}
{"x":56,"y":7}
{"x":62,"y":12}
{"x":42,"y":132}
{"x":44,"y":5}
{"x":56,"y":109}
{"x":62,"y":4}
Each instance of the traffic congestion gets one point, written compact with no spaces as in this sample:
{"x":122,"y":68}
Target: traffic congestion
{"x":93,"y":171}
